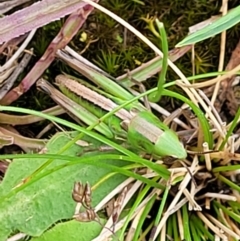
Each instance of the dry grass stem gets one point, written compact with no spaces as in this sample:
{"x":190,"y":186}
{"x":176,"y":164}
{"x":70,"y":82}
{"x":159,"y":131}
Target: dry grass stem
{"x":233,"y":226}
{"x":216,"y":230}
{"x":130,"y":193}
{"x":106,"y":233}
{"x":180,"y":225}
{"x":181,"y":188}
{"x":5,"y":74}
{"x":217,"y":196}
{"x":193,"y":60}
{"x":213,"y":109}
{"x":224,"y":10}
{"x":16,"y":237}
{"x":133,"y":227}
{"x":224,"y":154}
{"x":192,"y":193}
{"x":207,"y":156}
{"x":178,"y":206}
{"x":163,"y":233}
{"x":207,"y":83}
{"x":112,"y":194}
{"x":207,"y":203}
{"x":223,"y":227}
{"x":192,"y":203}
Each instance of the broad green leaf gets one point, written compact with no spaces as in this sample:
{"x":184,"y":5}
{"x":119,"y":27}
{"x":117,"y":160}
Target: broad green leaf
{"x":71,"y":230}
{"x":229,"y":20}
{"x":47,"y":201}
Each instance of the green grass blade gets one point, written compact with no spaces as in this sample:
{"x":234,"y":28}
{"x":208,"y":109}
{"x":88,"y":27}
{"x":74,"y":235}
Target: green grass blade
{"x":201,"y":228}
{"x":143,"y":218}
{"x":175,"y":227}
{"x":170,"y":226}
{"x":155,"y":97}
{"x":208,"y":137}
{"x":160,"y":210}
{"x":231,"y":214}
{"x":226,"y":168}
{"x":140,"y":197}
{"x":230,"y":131}
{"x":70,"y":125}
{"x":235,"y":207}
{"x":185,"y":217}
{"x":195,"y":235}
{"x":229,"y":182}
{"x":227,"y":21}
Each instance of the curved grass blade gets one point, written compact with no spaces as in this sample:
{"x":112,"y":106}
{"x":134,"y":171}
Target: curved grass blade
{"x":155,"y":97}
{"x":208,"y":136}
{"x":230,"y":131}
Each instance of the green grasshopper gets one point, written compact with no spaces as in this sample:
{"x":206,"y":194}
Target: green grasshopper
{"x":144,"y":130}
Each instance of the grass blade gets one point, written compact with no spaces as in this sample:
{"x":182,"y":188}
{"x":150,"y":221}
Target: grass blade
{"x":220,"y":25}
{"x":155,"y":97}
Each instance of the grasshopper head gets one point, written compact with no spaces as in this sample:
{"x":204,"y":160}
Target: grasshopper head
{"x":168,"y":144}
